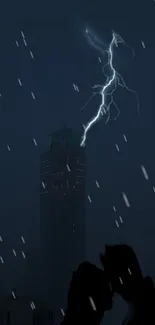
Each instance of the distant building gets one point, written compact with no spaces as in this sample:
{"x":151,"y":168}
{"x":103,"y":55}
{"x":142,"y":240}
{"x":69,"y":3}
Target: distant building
{"x":24,"y":311}
{"x":62,"y":211}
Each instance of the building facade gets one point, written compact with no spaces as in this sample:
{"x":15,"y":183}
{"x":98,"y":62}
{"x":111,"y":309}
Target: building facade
{"x":62,"y":211}
{"x":24,"y":311}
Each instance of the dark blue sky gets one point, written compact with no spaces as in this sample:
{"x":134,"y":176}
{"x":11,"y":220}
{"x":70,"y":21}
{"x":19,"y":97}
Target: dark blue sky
{"x":54,"y":33}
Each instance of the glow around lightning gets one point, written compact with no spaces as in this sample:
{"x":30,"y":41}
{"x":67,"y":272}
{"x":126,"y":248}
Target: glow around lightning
{"x":113,"y":80}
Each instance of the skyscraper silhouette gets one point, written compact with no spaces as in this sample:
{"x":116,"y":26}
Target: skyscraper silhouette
{"x":62,"y":210}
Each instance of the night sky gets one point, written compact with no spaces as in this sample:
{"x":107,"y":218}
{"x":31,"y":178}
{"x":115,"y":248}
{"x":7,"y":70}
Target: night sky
{"x":54,"y":32}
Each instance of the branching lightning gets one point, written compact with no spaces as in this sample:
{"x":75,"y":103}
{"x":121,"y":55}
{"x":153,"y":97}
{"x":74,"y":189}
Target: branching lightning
{"x":113,"y":81}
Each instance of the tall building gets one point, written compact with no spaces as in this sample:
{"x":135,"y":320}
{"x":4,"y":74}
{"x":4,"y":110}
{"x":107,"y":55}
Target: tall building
{"x":62,"y":211}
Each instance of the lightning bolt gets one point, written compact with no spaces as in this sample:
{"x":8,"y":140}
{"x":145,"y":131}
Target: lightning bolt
{"x":113,"y":81}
